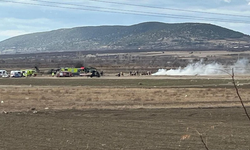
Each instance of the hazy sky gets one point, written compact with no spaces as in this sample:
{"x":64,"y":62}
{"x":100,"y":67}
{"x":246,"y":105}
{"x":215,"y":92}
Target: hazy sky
{"x":19,"y":17}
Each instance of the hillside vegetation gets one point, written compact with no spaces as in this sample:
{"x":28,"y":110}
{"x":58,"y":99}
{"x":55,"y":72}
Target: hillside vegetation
{"x":149,"y":35}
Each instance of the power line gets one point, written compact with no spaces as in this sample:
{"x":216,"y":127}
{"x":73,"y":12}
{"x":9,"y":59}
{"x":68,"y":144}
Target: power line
{"x":141,"y":12}
{"x":46,"y":5}
{"x":166,"y":8}
{"x":122,"y":11}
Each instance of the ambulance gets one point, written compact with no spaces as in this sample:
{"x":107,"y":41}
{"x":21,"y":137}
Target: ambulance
{"x":16,"y":74}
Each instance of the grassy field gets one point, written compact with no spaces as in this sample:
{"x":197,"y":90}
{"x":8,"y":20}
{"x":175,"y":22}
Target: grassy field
{"x":124,"y":82}
{"x":83,"y":93}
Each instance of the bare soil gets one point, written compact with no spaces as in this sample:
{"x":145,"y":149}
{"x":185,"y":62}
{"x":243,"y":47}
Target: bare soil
{"x":65,"y":117}
{"x":171,"y":129}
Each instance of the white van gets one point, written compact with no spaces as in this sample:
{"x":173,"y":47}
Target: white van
{"x":3,"y":73}
{"x":16,"y":74}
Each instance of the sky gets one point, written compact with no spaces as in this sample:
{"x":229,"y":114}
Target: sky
{"x":18,"y":17}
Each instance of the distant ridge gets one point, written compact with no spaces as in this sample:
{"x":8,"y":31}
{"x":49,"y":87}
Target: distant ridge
{"x":148,"y":35}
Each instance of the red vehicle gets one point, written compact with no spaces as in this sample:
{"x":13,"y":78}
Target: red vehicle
{"x":64,"y":74}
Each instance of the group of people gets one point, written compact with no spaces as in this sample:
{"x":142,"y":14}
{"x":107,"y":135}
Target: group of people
{"x":134,"y":73}
{"x":137,"y":73}
{"x":120,"y":74}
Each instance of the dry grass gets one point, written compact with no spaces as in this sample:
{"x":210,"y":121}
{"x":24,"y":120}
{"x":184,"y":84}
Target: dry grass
{"x":25,"y":98}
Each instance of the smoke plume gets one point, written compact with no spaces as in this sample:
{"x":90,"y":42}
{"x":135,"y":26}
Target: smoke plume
{"x":200,"y":68}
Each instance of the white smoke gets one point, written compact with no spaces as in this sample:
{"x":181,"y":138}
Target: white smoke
{"x":199,"y":68}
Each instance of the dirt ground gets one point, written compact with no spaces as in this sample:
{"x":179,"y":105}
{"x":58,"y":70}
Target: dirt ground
{"x":171,"y":129}
{"x":118,"y":117}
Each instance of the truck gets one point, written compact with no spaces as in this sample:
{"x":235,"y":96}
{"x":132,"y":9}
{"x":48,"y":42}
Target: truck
{"x":83,"y":71}
{"x":74,"y":71}
{"x":28,"y":73}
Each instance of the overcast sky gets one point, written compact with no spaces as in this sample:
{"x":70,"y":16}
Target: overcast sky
{"x":19,"y":17}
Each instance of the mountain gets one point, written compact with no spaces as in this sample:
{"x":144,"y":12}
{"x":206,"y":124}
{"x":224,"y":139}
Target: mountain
{"x":148,"y":35}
